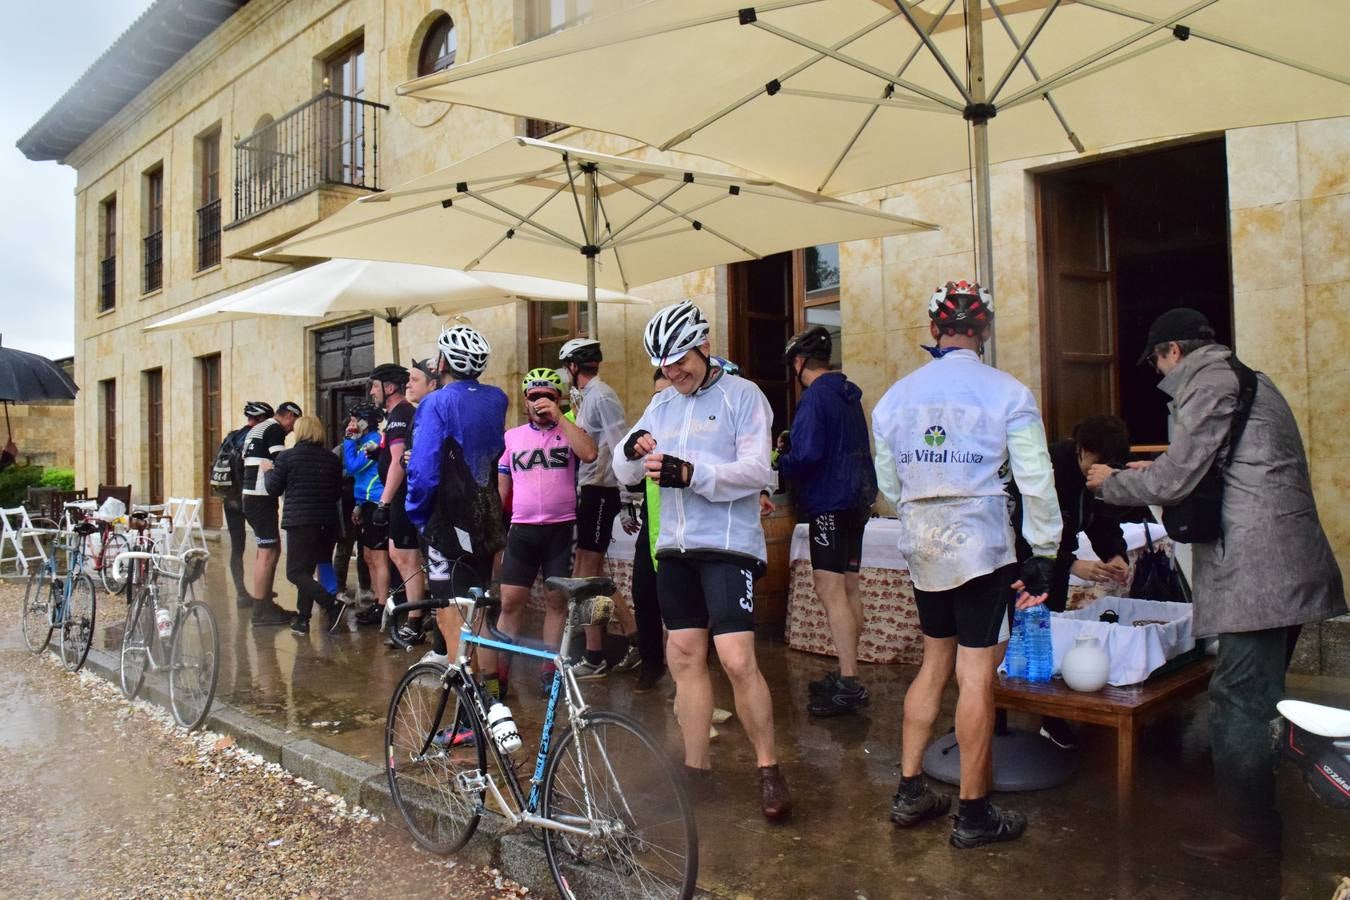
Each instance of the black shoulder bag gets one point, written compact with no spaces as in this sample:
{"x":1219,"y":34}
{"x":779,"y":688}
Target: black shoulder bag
{"x":1198,"y":519}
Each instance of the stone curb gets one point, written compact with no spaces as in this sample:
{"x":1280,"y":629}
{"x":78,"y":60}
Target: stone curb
{"x":517,"y":856}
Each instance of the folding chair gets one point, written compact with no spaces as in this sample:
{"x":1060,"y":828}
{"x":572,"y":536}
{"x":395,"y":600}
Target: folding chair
{"x":187,"y":531}
{"x":17,"y":528}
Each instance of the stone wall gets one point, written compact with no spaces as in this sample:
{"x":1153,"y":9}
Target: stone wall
{"x":43,"y":432}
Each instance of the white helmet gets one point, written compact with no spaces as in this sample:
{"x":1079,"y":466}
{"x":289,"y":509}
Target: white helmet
{"x":673,"y":332}
{"x":465,"y":350}
{"x":581,"y":351}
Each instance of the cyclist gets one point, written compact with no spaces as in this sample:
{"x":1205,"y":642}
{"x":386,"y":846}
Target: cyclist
{"x":452,"y":476}
{"x":828,"y":458}
{"x":946,"y":436}
{"x":360,"y":457}
{"x":600,"y":414}
{"x":255,"y":411}
{"x":264,"y":441}
{"x":705,"y":442}
{"x":421,"y":380}
{"x":537,"y":483}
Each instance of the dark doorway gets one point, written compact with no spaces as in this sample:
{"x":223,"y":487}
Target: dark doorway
{"x":1123,"y":240}
{"x":213,"y":432}
{"x":344,"y":356}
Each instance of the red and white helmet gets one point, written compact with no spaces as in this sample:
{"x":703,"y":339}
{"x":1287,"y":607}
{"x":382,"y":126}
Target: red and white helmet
{"x":961,"y":307}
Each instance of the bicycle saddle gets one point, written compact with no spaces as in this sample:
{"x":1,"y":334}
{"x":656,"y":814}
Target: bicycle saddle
{"x":86,"y":528}
{"x":1326,"y":721}
{"x":582,"y":588}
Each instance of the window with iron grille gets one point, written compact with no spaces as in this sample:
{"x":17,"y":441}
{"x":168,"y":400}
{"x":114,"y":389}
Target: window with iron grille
{"x":208,"y":200}
{"x":107,"y":266}
{"x":152,"y":244}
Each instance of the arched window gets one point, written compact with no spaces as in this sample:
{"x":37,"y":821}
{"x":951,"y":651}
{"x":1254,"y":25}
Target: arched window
{"x":438,"y":47}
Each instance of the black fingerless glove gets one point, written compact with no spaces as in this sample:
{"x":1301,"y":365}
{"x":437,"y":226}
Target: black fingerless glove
{"x":675,"y":472}
{"x":630,"y":450}
{"x":380,"y":517}
{"x":1037,"y":573}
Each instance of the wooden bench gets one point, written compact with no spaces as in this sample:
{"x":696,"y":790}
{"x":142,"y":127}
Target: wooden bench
{"x":1125,"y":709}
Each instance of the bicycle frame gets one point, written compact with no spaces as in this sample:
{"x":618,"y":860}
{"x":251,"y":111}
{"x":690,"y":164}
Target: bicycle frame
{"x":74,"y":565}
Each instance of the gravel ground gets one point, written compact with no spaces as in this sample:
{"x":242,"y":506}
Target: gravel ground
{"x":104,"y":798}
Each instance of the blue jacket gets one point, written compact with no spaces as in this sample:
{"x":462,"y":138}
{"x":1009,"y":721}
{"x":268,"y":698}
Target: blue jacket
{"x":457,"y":440}
{"x":364,"y":470}
{"x":829,"y":459}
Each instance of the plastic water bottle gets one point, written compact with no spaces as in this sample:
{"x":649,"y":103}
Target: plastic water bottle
{"x":1016,"y":657}
{"x":1040,"y":649}
{"x":503,"y":727}
{"x":163,"y":623}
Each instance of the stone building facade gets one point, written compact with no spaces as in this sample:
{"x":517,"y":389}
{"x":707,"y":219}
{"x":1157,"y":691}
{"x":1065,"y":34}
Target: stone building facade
{"x":43,"y":430}
{"x":1274,"y":250}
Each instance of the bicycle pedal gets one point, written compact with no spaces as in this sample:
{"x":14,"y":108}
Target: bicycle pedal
{"x":471,"y":782}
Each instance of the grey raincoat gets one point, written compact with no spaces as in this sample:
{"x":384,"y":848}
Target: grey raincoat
{"x":1273,"y":566}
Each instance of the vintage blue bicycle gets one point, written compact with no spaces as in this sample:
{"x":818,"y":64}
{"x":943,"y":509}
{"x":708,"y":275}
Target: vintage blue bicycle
{"x":604,"y":797}
{"x":62,"y":603}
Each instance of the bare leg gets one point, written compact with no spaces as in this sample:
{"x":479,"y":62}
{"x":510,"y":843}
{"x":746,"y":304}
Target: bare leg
{"x":844,"y":616}
{"x":509,"y":620}
{"x":753,"y":703}
{"x":687,"y":658}
{"x":975,"y":718}
{"x":377,"y":563}
{"x":923,"y":701}
{"x":555,"y":616}
{"x":588,"y":564}
{"x":265,"y":572}
{"x":409,"y":565}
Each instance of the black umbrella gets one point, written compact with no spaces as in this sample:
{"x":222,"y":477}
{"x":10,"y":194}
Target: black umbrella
{"x":25,"y":377}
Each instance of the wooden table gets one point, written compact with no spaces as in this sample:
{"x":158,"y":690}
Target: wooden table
{"x":1123,"y":708}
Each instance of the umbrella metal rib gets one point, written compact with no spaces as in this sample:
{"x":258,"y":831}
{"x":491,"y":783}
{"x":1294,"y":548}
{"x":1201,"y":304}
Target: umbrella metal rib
{"x":1026,"y":60}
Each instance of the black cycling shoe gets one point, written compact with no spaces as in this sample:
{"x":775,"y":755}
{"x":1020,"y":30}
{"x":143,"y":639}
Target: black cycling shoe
{"x":824,"y":685}
{"x":271,"y":615}
{"x":371,"y":615}
{"x":998,"y":825}
{"x":929,"y":804}
{"x":300,"y":626}
{"x":842,"y":699}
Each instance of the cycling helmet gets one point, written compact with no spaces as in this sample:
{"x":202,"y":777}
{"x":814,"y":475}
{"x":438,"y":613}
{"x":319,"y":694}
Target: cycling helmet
{"x":726,"y":365}
{"x":542,"y":378}
{"x":258,"y":409}
{"x":673,"y":332}
{"x":425,"y":366}
{"x":813,"y":343}
{"x":290,"y":407}
{"x":369,"y":412}
{"x":390,"y":373}
{"x":581,"y":351}
{"x":961,"y":307}
{"x":465,"y":350}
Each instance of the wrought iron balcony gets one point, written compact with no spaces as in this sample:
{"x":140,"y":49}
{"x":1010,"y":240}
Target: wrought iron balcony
{"x":208,"y":235}
{"x":330,"y":139}
{"x":152,"y":255}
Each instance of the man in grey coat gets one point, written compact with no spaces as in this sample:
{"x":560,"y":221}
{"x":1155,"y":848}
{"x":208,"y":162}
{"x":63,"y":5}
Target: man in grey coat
{"x":1271,"y":572}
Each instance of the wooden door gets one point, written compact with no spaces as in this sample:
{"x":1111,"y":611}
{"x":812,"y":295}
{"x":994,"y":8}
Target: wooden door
{"x":344,"y":356}
{"x":109,"y":397}
{"x":762,"y":317}
{"x":154,"y":437}
{"x":213,"y":433}
{"x":1078,"y":305}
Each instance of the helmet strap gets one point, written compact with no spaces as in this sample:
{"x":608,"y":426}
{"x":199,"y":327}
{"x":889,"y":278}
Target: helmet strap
{"x":707,"y":369}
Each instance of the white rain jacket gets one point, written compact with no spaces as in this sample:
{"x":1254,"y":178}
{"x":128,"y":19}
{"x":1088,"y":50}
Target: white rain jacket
{"x":600,"y":414}
{"x":945,"y":436}
{"x":723,"y":430}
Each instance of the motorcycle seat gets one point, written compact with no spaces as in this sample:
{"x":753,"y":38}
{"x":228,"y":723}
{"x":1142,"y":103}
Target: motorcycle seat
{"x":1326,"y":721}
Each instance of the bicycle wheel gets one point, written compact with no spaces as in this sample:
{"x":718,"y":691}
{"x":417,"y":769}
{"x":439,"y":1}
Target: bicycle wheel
{"x":607,"y":774}
{"x":114,"y":542}
{"x":194,"y":665}
{"x":77,"y":631}
{"x":424,"y":762}
{"x":37,"y":610}
{"x":136,"y":637}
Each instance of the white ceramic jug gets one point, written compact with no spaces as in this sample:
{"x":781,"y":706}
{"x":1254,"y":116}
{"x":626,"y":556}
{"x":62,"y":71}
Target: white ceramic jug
{"x":1086,"y":666}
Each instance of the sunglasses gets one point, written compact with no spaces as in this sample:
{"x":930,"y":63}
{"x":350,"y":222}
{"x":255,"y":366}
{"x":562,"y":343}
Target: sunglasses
{"x":541,"y":395}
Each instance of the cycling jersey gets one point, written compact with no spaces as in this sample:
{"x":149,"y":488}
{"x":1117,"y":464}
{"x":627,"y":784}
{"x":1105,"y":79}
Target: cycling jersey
{"x":946,"y":436}
{"x":362,"y":468}
{"x":600,"y":414}
{"x":542,"y":469}
{"x":398,"y":427}
{"x":265,"y":440}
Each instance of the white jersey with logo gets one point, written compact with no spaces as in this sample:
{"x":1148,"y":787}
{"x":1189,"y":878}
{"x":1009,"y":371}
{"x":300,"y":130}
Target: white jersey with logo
{"x":946,"y":436}
{"x":600,"y":414}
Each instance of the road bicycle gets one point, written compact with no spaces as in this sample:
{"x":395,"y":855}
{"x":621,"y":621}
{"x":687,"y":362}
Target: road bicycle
{"x":62,"y":601}
{"x":111,"y":542}
{"x":174,"y":632}
{"x":115,"y":543}
{"x":603,"y":796}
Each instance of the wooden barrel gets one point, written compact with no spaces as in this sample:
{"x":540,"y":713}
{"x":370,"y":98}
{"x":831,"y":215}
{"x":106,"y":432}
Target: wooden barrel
{"x":771,"y":591}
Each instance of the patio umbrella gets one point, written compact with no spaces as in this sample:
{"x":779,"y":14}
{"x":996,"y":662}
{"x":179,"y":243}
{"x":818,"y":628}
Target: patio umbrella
{"x":25,"y":377}
{"x":532,"y":207}
{"x":391,"y":291}
{"x":839,"y":96}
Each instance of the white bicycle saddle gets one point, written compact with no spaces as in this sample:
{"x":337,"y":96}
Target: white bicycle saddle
{"x":1327,"y":721}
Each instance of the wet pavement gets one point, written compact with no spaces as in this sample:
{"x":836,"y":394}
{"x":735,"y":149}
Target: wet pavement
{"x":838,"y":843}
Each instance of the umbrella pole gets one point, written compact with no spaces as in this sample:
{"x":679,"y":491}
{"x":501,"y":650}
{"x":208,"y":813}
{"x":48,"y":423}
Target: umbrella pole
{"x":8,"y":428}
{"x":978,"y":114}
{"x":393,"y":318}
{"x":593,"y":228}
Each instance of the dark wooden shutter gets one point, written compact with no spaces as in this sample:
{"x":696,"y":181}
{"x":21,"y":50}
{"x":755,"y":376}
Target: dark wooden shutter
{"x":154,"y":421}
{"x":212,"y":434}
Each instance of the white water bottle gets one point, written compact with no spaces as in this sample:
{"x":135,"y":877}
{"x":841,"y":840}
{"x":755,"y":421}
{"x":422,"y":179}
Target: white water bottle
{"x":503,"y":727}
{"x":163,"y":622}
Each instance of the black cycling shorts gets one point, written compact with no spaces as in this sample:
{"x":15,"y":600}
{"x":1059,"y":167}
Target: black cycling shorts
{"x":597,"y":507}
{"x":449,"y":578}
{"x":261,"y":514}
{"x":370,"y":535}
{"x":836,"y":540}
{"x":716,"y":594}
{"x":977,"y":613}
{"x":402,"y":532}
{"x":535,"y":549}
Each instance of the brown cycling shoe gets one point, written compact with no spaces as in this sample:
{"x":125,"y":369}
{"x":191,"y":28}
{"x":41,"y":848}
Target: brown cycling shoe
{"x":774,"y":799}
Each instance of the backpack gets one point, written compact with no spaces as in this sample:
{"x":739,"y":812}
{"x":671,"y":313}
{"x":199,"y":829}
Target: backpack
{"x":227,"y":472}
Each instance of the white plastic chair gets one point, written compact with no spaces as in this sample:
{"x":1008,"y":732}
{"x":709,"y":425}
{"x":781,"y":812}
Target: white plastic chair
{"x":17,"y":528}
{"x":186,"y":529}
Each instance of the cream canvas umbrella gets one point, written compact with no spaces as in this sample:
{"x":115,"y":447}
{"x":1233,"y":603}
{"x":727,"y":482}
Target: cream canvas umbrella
{"x":536,"y":208}
{"x":391,"y":291}
{"x":839,"y":96}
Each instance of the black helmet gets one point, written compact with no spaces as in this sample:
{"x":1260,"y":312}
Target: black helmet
{"x":813,"y":343}
{"x":258,"y":409}
{"x":368,"y":411}
{"x":426,"y":366}
{"x":390,"y":373}
{"x":290,"y":407}
{"x":961,"y":307}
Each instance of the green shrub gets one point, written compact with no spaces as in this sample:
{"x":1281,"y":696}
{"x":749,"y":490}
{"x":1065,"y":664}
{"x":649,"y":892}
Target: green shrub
{"x":14,"y":484}
{"x":61,"y":479}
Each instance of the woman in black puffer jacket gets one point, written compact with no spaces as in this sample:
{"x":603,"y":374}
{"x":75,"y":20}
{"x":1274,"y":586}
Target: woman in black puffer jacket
{"x":309,"y":478}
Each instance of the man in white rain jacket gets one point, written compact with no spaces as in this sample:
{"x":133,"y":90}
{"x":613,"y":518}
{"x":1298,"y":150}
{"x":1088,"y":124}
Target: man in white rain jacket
{"x":946,"y":436}
{"x":705,"y":442}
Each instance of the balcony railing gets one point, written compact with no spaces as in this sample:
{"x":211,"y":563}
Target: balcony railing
{"x":107,"y":283}
{"x":329,"y":139}
{"x":152,"y":254}
{"x":208,"y":235}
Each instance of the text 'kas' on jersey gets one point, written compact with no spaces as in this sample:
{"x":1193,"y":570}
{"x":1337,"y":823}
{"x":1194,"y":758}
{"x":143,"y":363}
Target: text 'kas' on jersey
{"x":542,"y":469}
